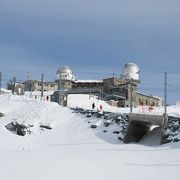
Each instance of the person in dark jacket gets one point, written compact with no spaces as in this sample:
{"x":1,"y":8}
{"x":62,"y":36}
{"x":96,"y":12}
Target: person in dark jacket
{"x":93,"y":106}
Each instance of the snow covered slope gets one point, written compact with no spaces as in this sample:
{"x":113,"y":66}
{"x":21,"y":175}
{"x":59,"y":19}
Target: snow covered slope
{"x":86,"y":101}
{"x":72,"y":150}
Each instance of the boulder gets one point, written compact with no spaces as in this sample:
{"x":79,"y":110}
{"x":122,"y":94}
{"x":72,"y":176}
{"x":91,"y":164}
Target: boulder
{"x":19,"y":129}
{"x":93,"y":126}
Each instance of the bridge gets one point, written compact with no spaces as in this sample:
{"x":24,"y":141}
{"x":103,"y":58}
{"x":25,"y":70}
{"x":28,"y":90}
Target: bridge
{"x":145,"y":129}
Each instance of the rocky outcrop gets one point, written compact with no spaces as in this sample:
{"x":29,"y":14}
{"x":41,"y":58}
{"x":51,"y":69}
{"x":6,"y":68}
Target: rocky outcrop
{"x":172,"y":131}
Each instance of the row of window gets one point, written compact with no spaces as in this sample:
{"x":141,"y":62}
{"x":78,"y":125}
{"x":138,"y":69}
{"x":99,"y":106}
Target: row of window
{"x":47,"y":85}
{"x":147,"y":103}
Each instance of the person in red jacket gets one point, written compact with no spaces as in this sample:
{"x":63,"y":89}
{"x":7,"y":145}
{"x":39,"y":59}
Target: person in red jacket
{"x":101,"y":108}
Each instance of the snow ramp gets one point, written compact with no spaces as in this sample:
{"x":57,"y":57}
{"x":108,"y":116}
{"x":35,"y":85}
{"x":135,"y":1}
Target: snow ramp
{"x":144,"y":129}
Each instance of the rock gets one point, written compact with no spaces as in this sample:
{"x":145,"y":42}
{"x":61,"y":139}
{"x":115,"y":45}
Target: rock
{"x":105,"y":131}
{"x":82,"y":111}
{"x":120,"y":138}
{"x":99,"y":115}
{"x":116,"y":132}
{"x":106,"y":124}
{"x":93,"y":126}
{"x":88,"y":115}
{"x":117,"y":120}
{"x":1,"y":114}
{"x":168,"y":140}
{"x":19,"y":129}
{"x":45,"y":126}
{"x":176,"y":140}
{"x":165,"y":136}
{"x":175,"y":128}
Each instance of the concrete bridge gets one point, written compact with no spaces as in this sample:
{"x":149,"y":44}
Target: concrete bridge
{"x":145,"y":129}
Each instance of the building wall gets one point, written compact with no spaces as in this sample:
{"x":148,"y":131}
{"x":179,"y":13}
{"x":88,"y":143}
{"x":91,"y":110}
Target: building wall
{"x":123,"y":88}
{"x":98,"y":85}
{"x":112,"y":86}
{"x":67,"y":84}
{"x":62,"y":101}
{"x":148,"y":100}
{"x":36,"y":86}
{"x":16,"y":88}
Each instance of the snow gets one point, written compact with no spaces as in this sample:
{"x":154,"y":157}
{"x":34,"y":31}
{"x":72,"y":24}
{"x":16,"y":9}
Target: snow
{"x":37,"y":94}
{"x":72,"y":150}
{"x":89,"y":81}
{"x":85,"y":101}
{"x":5,"y":91}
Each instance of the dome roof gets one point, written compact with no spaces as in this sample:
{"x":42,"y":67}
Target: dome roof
{"x":66,"y":69}
{"x":131,"y":68}
{"x":65,"y":73}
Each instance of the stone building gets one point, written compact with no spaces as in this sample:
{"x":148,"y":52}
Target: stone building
{"x":116,"y":91}
{"x":119,"y":89}
{"x":35,"y":85}
{"x":65,"y":78}
{"x":88,"y":84}
{"x":16,"y":87}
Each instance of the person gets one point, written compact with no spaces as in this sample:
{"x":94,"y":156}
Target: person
{"x":101,"y":108}
{"x":47,"y":98}
{"x":93,"y":105}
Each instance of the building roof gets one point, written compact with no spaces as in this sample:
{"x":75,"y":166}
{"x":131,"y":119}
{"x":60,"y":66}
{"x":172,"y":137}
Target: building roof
{"x":114,"y":96}
{"x":88,"y":81}
{"x":39,"y":81}
{"x":155,"y":97}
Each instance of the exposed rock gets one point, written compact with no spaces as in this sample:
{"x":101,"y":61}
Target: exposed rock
{"x":1,"y":114}
{"x":116,"y":132}
{"x":45,"y":126}
{"x":99,"y":115}
{"x":171,"y":132}
{"x":93,"y":126}
{"x":120,"y":138}
{"x":19,"y":129}
{"x":106,"y":124}
{"x":176,"y":140}
{"x":88,"y":115}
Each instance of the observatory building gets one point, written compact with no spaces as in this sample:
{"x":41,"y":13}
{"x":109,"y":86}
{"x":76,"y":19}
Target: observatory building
{"x":118,"y":90}
{"x":131,"y":71}
{"x":65,"y":78}
{"x":115,"y":90}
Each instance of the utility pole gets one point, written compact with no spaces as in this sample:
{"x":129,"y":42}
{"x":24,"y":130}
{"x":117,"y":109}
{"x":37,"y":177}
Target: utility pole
{"x":60,"y":84}
{"x":165,"y":99}
{"x":30,"y":83}
{"x":30,"y":88}
{"x":131,"y":92}
{"x":42,"y":86}
{"x":14,"y":84}
{"x":90,"y":93}
{"x":0,"y":81}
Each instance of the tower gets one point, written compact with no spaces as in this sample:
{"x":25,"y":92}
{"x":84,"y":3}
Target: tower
{"x":66,"y":77}
{"x":131,"y":73}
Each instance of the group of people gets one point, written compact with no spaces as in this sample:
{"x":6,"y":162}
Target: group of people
{"x":100,"y":107}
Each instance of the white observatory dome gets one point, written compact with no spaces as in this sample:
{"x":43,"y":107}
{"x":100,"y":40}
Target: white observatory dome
{"x":66,"y":73}
{"x":131,"y":70}
{"x":66,"y":69}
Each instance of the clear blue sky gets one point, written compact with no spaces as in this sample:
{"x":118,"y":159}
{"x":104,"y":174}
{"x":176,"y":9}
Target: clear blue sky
{"x":95,"y":38}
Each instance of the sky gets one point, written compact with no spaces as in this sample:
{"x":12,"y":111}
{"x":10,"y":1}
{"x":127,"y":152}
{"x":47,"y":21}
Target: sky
{"x":95,"y":38}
